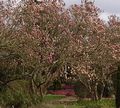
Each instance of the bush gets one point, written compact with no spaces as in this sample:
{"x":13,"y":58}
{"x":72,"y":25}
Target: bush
{"x":55,"y":86}
{"x":17,"y":99}
{"x":80,"y":90}
{"x":18,"y":95}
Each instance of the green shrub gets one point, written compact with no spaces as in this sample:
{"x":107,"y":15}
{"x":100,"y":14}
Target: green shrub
{"x":18,"y":95}
{"x":16,"y":99}
{"x":80,"y":90}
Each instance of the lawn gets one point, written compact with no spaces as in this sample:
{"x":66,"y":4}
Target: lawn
{"x":104,"y":103}
{"x":47,"y":103}
{"x":51,"y":97}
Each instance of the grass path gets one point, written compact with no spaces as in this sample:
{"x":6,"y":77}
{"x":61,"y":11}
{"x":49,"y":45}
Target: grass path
{"x":55,"y":101}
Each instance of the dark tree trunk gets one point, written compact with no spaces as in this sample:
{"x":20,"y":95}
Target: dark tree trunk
{"x":118,"y":88}
{"x":41,"y":92}
{"x":100,"y":90}
{"x":94,"y":93}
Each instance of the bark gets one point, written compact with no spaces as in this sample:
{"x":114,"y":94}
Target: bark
{"x":100,"y":90}
{"x":94,"y":93}
{"x":41,"y":92}
{"x":32,"y":86}
{"x":118,"y":88}
{"x":93,"y":90}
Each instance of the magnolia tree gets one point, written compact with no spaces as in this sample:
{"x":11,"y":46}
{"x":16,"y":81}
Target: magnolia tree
{"x":34,"y":43}
{"x":113,"y":31}
{"x":38,"y":39}
{"x":91,"y":54}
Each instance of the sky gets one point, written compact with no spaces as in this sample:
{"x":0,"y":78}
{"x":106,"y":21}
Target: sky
{"x":108,"y":7}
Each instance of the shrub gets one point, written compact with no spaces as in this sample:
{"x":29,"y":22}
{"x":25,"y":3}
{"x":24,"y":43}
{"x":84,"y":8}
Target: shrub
{"x":80,"y":90}
{"x":17,"y":99}
{"x":18,"y":95}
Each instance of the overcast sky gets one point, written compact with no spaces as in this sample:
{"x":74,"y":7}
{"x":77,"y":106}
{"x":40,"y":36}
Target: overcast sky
{"x":107,"y":6}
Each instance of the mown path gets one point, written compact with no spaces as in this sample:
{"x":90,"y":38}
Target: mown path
{"x":66,"y":100}
{"x":59,"y":103}
{"x":71,"y":102}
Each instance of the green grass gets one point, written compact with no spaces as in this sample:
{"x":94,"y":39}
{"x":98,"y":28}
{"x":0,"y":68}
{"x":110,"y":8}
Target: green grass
{"x":87,"y":104}
{"x":104,"y":103}
{"x":56,"y":106}
{"x":50,"y":97}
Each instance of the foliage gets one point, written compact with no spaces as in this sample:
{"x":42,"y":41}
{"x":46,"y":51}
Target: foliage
{"x":18,"y":96}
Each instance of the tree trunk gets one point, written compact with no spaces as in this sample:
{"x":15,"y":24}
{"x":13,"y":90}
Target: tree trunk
{"x":41,"y":92}
{"x":118,"y":88}
{"x":100,"y":90}
{"x":94,"y":93}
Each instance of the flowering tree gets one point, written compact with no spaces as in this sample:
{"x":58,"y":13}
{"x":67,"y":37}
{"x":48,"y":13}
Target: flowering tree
{"x":38,"y":39}
{"x":90,"y":47}
{"x":114,"y":44}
